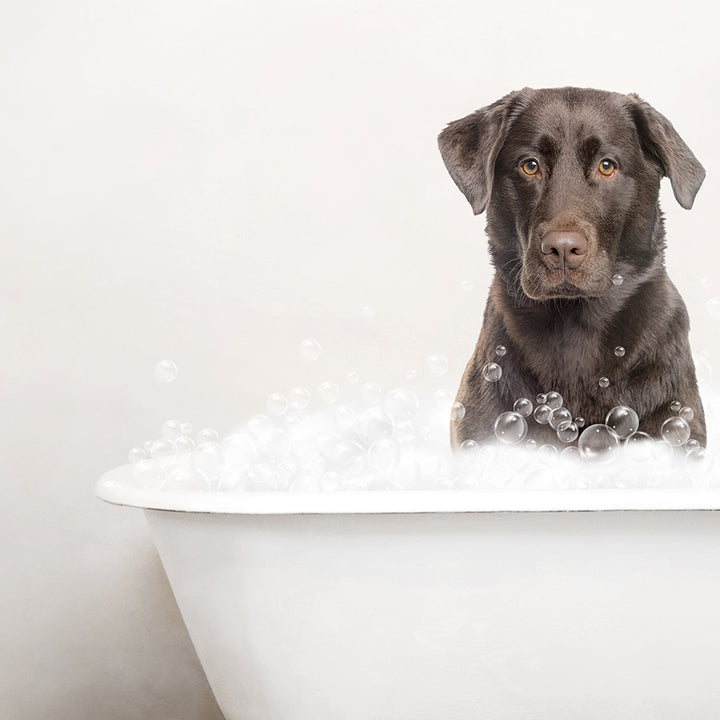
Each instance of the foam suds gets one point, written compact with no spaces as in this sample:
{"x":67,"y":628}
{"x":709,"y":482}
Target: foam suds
{"x":399,"y":441}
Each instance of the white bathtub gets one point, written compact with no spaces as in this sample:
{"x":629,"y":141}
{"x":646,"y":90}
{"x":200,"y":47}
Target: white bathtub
{"x":537,"y":605}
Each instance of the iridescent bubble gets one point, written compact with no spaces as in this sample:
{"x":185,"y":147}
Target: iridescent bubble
{"x":383,"y":454}
{"x":207,"y":435}
{"x":597,"y":443}
{"x":603,"y":382}
{"x":580,"y":421}
{"x":523,"y":406}
{"x":567,"y":431}
{"x":500,"y":350}
{"x":623,"y":421}
{"x":299,"y":398}
{"x":136,"y":454}
{"x":492,"y":372}
{"x":553,"y":400}
{"x":675,"y":431}
{"x":353,"y":377}
{"x":328,"y":392}
{"x":542,"y":414}
{"x":166,"y":371}
{"x":371,"y":393}
{"x":617,"y":279}
{"x":687,"y":413}
{"x":401,"y":405}
{"x":559,"y":416}
{"x":619,"y":351}
{"x":309,"y":350}
{"x":541,"y":398}
{"x":276,"y":404}
{"x":457,"y":412}
{"x":171,"y":430}
{"x":510,"y":428}
{"x":675,"y":405}
{"x":436,"y":364}
{"x":466,"y":285}
{"x":149,"y":474}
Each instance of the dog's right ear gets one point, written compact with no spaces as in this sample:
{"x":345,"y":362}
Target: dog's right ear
{"x":470,"y":146}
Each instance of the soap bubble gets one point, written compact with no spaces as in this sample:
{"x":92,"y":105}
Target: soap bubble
{"x":383,"y":454}
{"x":510,"y":428}
{"x":299,"y":398}
{"x":186,"y":428}
{"x":523,"y":406}
{"x":411,"y":374}
{"x":531,"y":444}
{"x":617,"y":279}
{"x":349,"y":455}
{"x":541,"y":398}
{"x":580,"y":421}
{"x":401,"y":405}
{"x":309,"y":350}
{"x":542,"y":414}
{"x":457,"y":412}
{"x":166,"y":371}
{"x":675,"y":405}
{"x":570,"y":452}
{"x":492,"y":372}
{"x":161,"y":448}
{"x":597,"y":443}
{"x":136,"y":454}
{"x":436,"y":364}
{"x":353,"y":377}
{"x":257,"y":425}
{"x":713,"y":307}
{"x":369,"y":311}
{"x":500,"y":350}
{"x":547,"y":453}
{"x":603,"y":382}
{"x":328,"y":392}
{"x":187,"y":479}
{"x":372,"y":424}
{"x":559,"y":416}
{"x":640,"y":446}
{"x":619,"y":351}
{"x":469,"y":447}
{"x":687,"y":413}
{"x":553,"y":400}
{"x":567,"y":432}
{"x":466,"y":285}
{"x":675,"y":431}
{"x":345,"y":418}
{"x":276,"y":404}
{"x":623,"y":421}
{"x":206,"y":459}
{"x":207,"y":436}
{"x":691,"y":445}
{"x":171,"y":430}
{"x":149,"y":474}
{"x":184,"y":444}
{"x":371,"y":393}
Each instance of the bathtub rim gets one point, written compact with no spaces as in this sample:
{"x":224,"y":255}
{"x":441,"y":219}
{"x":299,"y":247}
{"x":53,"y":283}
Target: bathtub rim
{"x":117,"y":487}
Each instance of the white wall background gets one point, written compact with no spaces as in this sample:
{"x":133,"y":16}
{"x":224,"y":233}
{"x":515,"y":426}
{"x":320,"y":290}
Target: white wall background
{"x":210,"y":182}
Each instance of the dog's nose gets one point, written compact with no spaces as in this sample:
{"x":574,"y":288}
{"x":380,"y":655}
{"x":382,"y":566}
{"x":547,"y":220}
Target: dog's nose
{"x":563,"y":249}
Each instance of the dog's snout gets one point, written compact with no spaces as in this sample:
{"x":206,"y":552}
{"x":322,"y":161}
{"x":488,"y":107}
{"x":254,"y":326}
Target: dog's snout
{"x":563,"y":249}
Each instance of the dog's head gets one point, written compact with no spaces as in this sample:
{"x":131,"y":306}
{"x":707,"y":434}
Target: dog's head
{"x":570,"y":179}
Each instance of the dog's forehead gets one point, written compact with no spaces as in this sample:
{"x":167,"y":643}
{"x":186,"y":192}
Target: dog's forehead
{"x":571,"y":115}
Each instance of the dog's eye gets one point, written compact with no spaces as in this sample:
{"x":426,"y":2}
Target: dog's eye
{"x":530,"y":167}
{"x":607,"y":167}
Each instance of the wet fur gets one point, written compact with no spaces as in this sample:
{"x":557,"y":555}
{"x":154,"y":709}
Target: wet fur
{"x":567,"y":343}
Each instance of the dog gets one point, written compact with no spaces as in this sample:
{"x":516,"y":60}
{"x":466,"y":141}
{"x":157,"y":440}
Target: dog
{"x":580,"y":302}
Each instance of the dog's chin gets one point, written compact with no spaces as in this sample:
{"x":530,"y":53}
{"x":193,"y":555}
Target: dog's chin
{"x":563,"y":289}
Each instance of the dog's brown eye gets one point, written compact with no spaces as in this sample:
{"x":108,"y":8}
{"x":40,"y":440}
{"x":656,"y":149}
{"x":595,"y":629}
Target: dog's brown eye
{"x":530,"y":167}
{"x":607,"y":167}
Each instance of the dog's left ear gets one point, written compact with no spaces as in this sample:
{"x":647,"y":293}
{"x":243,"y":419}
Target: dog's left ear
{"x":660,"y":140}
{"x":470,"y":146}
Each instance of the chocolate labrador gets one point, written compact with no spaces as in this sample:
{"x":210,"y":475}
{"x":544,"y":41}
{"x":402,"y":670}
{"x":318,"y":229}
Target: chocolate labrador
{"x":580,"y":302}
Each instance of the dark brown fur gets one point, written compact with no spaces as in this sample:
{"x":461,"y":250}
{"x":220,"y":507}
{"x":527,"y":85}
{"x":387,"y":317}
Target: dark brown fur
{"x":560,"y":327}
